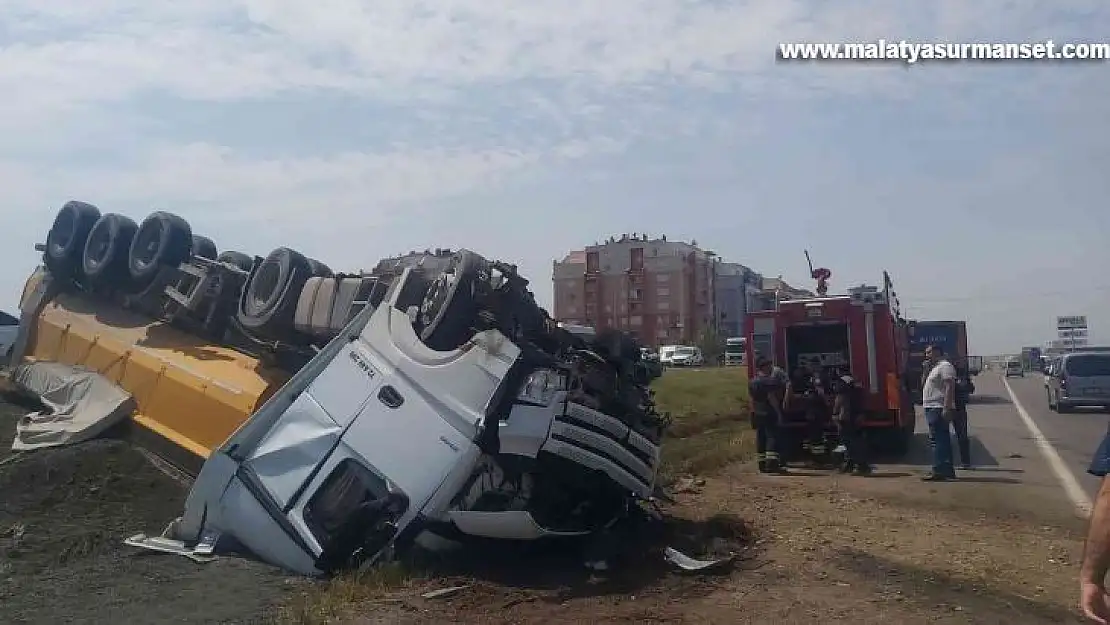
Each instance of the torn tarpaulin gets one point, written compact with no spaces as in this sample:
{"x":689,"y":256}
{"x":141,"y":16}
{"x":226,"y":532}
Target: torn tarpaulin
{"x":81,"y":405}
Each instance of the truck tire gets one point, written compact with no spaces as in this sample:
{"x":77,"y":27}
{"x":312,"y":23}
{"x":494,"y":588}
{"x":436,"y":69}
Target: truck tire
{"x":236,"y":259}
{"x":163,"y":240}
{"x":65,"y":242}
{"x":106,"y":253}
{"x":203,"y":247}
{"x":449,"y":308}
{"x":270,"y":298}
{"x":319,"y":269}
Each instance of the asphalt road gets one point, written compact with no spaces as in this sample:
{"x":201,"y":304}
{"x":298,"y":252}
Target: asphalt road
{"x":1005,"y":458}
{"x":1075,"y":435}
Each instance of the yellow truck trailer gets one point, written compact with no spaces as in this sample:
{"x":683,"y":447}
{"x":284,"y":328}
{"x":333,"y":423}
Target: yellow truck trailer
{"x":147,"y":306}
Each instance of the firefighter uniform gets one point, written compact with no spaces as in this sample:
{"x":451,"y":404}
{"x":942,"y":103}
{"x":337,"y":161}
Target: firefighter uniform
{"x":766,"y":391}
{"x":804,"y":400}
{"x":817,"y":424}
{"x":848,"y":414}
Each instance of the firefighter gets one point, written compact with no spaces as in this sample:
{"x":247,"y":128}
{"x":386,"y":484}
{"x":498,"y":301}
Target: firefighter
{"x":820,"y":447}
{"x":804,"y":398}
{"x":848,"y":411}
{"x":766,"y":391}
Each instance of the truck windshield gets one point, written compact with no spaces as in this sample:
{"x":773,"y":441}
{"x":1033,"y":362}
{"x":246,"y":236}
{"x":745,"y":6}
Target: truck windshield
{"x":734,"y":348}
{"x":684,"y":351}
{"x":1089,"y":366}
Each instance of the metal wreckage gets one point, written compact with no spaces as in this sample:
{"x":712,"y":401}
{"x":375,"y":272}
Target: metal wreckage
{"x":332,"y":420}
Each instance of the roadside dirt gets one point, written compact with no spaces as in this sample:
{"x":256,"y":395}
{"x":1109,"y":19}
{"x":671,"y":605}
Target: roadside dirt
{"x":877,"y":550}
{"x":63,"y":516}
{"x":821,"y":548}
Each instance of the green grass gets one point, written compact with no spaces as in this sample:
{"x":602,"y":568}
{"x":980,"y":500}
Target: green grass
{"x":710,"y":412}
{"x":710,"y":431}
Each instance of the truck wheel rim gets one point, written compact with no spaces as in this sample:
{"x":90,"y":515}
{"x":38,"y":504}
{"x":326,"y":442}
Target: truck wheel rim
{"x":147,"y":243}
{"x":436,"y":297}
{"x":100,"y":243}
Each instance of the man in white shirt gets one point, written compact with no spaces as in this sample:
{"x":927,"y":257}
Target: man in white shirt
{"x":938,"y":395}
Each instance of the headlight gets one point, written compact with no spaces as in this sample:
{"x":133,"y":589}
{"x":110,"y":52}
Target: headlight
{"x":541,"y":386}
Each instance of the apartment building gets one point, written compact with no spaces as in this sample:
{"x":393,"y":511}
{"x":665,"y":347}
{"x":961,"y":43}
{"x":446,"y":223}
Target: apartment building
{"x":664,"y":292}
{"x":737,"y":291}
{"x":661,"y":291}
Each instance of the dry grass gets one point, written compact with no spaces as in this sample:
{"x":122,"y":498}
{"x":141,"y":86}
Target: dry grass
{"x":710,"y":431}
{"x":710,"y":411}
{"x":334,"y":600}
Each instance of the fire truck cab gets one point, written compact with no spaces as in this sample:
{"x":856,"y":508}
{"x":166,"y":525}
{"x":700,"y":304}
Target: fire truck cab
{"x":862,"y":333}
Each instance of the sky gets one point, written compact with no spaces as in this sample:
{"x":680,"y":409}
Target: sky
{"x":355,"y":130}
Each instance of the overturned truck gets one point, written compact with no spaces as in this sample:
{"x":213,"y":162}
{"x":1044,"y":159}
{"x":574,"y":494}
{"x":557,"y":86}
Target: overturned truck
{"x":331,"y":418}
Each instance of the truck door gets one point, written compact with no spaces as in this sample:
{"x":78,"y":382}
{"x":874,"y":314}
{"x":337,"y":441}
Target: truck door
{"x":308,"y":431}
{"x":388,"y":416}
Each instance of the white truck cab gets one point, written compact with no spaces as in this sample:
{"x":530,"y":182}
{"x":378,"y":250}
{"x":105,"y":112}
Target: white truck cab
{"x":380,"y":438}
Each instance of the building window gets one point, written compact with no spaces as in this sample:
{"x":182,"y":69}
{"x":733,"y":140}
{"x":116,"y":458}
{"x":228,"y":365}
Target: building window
{"x":663,"y":291}
{"x":662,"y":277}
{"x":592,"y":262}
{"x":635,"y":321}
{"x":608,"y":308}
{"x":636,"y":258}
{"x":663,"y":305}
{"x":571,"y":310}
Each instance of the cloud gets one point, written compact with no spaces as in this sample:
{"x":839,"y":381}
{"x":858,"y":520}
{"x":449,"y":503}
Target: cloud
{"x":291,"y":118}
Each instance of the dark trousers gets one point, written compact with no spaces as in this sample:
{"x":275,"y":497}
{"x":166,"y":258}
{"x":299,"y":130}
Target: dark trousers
{"x":767,"y":442}
{"x":816,"y":431}
{"x":963,"y":443}
{"x":855,"y":446}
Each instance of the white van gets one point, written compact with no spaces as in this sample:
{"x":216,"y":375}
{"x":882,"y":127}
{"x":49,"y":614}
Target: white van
{"x":1080,"y":379}
{"x":666,"y":354}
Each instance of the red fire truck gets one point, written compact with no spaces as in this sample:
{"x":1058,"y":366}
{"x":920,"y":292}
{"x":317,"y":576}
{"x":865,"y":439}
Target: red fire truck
{"x":861,"y":332}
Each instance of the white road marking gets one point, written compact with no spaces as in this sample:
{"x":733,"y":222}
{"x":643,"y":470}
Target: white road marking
{"x":1067,"y":479}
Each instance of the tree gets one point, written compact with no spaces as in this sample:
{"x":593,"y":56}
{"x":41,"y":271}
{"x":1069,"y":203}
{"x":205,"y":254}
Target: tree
{"x":711,"y":345}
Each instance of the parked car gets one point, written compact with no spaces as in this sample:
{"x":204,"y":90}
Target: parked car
{"x":685,"y":356}
{"x":1014,"y":369}
{"x":1080,"y":379}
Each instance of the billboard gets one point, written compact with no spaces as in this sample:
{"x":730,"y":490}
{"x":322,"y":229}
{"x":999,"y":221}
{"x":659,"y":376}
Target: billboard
{"x":1073,"y":322}
{"x":1067,"y":343}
